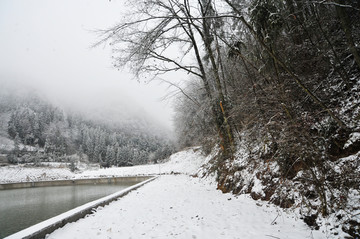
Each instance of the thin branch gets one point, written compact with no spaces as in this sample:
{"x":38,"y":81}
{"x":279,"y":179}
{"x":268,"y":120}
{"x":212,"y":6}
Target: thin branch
{"x":181,"y":90}
{"x":326,"y":2}
{"x":166,"y":59}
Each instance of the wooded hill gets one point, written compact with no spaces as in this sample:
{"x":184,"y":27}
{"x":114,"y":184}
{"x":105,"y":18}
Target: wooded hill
{"x":58,"y":136}
{"x":273,"y":85}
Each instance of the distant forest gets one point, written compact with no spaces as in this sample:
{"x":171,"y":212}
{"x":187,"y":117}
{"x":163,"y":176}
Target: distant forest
{"x":55,"y":135}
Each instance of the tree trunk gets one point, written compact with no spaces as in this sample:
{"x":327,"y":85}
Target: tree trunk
{"x":222,"y":120}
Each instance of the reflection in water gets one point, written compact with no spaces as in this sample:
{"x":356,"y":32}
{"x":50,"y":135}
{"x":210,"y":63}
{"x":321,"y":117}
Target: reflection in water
{"x":21,"y":208}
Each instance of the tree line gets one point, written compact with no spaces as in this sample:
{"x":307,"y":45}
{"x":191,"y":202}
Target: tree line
{"x":57,"y":134}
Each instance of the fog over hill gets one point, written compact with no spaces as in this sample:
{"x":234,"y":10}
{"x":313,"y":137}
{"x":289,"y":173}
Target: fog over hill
{"x":105,"y":105}
{"x":34,"y":129}
{"x":51,"y":54}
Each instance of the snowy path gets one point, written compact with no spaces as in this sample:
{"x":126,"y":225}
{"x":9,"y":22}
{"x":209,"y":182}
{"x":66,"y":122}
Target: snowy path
{"x":185,"y":207}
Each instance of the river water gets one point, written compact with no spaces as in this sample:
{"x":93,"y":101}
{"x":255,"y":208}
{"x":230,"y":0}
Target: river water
{"x":21,"y":208}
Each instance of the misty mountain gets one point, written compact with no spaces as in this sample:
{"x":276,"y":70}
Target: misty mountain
{"x":102,"y":136}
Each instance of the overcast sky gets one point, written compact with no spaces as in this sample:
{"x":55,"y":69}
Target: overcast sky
{"x":45,"y":44}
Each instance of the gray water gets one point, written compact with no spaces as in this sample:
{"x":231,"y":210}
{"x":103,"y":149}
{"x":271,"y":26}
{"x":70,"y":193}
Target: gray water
{"x":21,"y":208}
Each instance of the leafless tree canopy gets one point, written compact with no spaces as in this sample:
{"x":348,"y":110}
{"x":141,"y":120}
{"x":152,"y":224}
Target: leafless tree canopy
{"x":265,"y":72}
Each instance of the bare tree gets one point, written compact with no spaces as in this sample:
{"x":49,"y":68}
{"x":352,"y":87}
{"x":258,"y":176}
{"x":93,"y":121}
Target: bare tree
{"x":171,"y":35}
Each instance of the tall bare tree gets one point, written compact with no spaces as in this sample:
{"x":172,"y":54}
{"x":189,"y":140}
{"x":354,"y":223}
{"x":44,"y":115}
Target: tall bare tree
{"x":170,"y":35}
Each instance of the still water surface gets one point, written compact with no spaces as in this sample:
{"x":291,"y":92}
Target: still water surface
{"x":21,"y":208}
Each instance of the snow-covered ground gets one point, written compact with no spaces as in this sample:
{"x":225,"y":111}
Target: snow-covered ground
{"x":179,"y":206}
{"x":24,"y":173}
{"x":174,"y":206}
{"x":185,"y":162}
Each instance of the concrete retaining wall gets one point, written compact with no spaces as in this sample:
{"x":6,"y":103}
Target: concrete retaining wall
{"x":41,"y":229}
{"x":73,"y":182}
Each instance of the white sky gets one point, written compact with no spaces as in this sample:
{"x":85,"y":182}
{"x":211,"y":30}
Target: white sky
{"x":45,"y":44}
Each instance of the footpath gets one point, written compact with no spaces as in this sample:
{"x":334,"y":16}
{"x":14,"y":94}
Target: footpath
{"x":181,"y":206}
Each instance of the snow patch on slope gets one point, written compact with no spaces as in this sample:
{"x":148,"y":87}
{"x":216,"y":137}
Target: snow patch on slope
{"x":354,"y":137}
